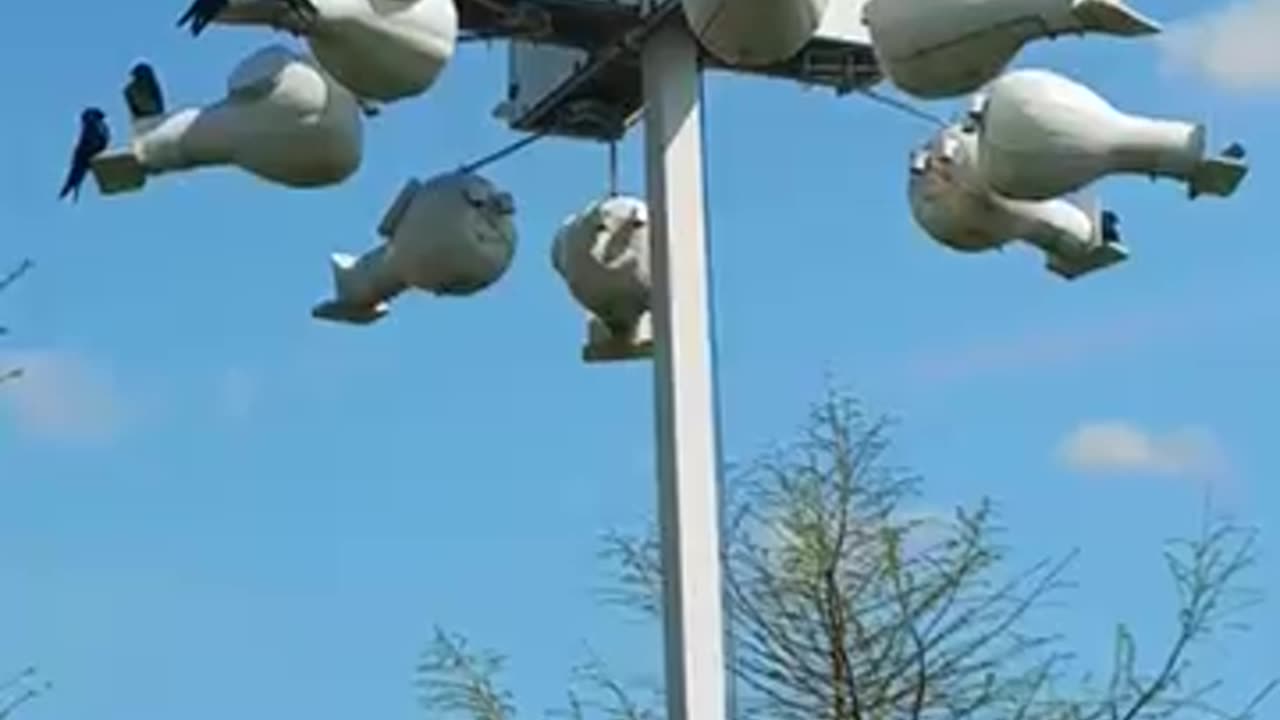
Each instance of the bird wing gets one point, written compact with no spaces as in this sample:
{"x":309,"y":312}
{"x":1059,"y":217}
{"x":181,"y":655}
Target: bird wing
{"x":132,"y":98}
{"x":74,"y":175}
{"x":157,"y":96}
{"x":144,"y":98}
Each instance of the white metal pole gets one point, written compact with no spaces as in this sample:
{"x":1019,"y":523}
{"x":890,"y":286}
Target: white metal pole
{"x":684,"y":396}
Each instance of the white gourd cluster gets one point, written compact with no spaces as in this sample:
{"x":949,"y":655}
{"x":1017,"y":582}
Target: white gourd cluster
{"x":1002,"y":172}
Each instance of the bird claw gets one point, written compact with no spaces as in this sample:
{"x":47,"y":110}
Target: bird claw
{"x":296,"y":22}
{"x":304,"y":16}
{"x":301,"y":26}
{"x":298,"y":17}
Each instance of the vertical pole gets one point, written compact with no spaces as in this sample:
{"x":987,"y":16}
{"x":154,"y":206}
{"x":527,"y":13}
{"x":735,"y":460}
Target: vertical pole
{"x":685,"y":414}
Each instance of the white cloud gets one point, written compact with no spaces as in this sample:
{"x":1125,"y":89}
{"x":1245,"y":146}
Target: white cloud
{"x":1234,"y":47}
{"x":61,"y":396}
{"x":1117,"y":447}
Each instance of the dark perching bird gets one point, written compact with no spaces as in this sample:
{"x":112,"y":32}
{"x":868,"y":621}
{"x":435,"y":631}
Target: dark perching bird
{"x":203,"y":12}
{"x":94,"y":138}
{"x":1110,"y":227}
{"x":200,"y":14}
{"x":143,"y":94}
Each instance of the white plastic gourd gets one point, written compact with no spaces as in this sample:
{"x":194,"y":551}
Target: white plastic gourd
{"x":451,"y":235}
{"x":602,"y":253}
{"x":283,"y":119}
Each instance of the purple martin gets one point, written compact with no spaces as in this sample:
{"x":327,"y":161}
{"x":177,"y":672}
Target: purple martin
{"x":143,"y":94}
{"x":203,"y":12}
{"x":1110,"y":227}
{"x":94,"y":138}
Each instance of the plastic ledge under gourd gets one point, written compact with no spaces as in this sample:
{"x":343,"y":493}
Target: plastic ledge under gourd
{"x":118,"y":172}
{"x":603,"y":346}
{"x":1097,"y":258}
{"x":1217,"y":177}
{"x":340,"y":312}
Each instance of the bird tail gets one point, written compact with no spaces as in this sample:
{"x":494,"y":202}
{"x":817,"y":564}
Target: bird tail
{"x":71,"y":186}
{"x":194,"y":17}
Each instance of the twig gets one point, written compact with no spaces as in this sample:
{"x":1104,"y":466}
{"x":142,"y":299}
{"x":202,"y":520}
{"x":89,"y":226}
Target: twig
{"x":14,"y":275}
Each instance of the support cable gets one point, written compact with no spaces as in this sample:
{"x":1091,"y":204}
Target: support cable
{"x":613,"y":169}
{"x":503,"y":153}
{"x":903,"y":107}
{"x":626,"y":41}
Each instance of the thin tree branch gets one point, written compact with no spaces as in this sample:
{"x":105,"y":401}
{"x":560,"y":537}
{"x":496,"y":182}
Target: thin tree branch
{"x":16,"y":274}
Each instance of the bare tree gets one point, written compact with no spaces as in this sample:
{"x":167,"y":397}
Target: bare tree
{"x":19,"y":690}
{"x":456,"y":681}
{"x":10,"y":374}
{"x":846,"y":605}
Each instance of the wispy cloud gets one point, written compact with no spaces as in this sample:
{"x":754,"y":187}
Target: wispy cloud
{"x":1198,"y":312}
{"x":1234,"y":47}
{"x":237,"y":394}
{"x":1116,"y":447}
{"x":61,"y":396}
{"x":1038,"y":349}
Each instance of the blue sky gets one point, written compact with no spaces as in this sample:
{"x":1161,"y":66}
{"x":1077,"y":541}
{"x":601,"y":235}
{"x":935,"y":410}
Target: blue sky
{"x":217,"y":507}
